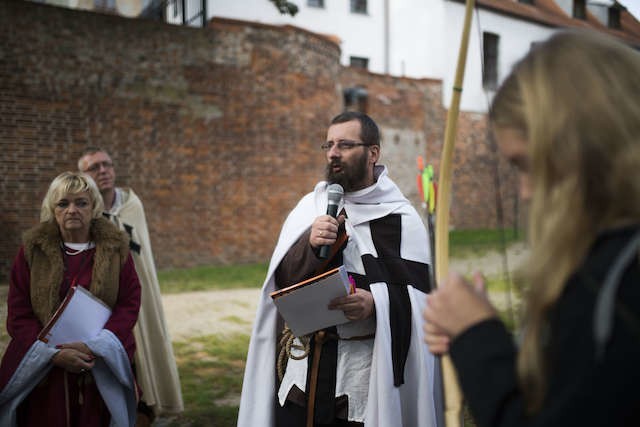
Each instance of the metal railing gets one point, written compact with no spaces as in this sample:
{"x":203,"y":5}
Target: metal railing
{"x":192,"y":13}
{"x":186,"y":12}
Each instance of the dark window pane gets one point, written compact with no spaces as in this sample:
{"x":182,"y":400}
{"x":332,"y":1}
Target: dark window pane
{"x":579,"y":9}
{"x":355,"y":99}
{"x":359,"y":62}
{"x":614,"y":18}
{"x":490,"y":60}
{"x":358,"y":6}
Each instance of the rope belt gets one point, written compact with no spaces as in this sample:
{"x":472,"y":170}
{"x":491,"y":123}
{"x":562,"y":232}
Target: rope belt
{"x":287,"y":343}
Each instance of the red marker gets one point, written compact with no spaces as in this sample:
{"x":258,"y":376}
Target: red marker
{"x":352,"y":287}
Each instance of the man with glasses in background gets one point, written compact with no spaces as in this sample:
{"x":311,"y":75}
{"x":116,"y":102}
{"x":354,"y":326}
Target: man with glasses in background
{"x":373,"y":370}
{"x":155,"y":366}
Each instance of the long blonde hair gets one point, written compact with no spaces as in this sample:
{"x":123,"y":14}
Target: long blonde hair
{"x":576,"y":98}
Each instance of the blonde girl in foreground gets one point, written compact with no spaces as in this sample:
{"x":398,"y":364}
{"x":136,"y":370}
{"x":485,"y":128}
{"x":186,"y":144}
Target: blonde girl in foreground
{"x":568,"y":118}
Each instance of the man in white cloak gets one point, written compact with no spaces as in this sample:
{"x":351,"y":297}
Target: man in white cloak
{"x":375,"y":369}
{"x":156,"y":370}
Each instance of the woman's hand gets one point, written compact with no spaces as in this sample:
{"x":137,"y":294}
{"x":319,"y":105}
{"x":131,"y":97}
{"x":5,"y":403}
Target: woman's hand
{"x":357,"y":306}
{"x":452,"y":308}
{"x":74,"y":357}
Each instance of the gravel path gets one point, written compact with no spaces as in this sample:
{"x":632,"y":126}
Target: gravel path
{"x":194,"y":314}
{"x":210,"y":312}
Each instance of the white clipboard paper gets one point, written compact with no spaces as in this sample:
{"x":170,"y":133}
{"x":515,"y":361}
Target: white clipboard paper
{"x":80,"y":317}
{"x":303,"y":306}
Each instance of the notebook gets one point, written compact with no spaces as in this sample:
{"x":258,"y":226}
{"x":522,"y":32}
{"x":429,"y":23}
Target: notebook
{"x":303,"y":306}
{"x":80,"y":317}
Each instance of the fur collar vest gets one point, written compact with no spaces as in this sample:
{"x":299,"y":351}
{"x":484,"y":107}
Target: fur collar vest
{"x":46,"y":264}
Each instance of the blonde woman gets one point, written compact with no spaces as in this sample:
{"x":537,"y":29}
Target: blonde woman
{"x":90,"y":383}
{"x":568,"y":118}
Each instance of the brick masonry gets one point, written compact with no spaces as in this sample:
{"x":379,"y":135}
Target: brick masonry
{"x":216,"y":129}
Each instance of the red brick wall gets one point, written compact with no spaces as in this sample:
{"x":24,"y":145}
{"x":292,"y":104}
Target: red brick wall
{"x":216,"y":129}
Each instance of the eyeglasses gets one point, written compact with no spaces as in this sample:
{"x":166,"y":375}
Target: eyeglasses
{"x":342,"y":145}
{"x":96,"y":166}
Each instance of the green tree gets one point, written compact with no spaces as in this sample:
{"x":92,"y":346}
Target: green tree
{"x":285,"y":7}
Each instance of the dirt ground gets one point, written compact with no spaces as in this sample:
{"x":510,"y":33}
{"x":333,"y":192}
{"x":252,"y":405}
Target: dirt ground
{"x":210,"y":312}
{"x":194,"y":314}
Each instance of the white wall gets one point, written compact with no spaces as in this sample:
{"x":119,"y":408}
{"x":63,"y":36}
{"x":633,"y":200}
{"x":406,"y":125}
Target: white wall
{"x":566,"y":5}
{"x":515,"y":41}
{"x":416,"y":43}
{"x":600,"y":9}
{"x":128,"y":8}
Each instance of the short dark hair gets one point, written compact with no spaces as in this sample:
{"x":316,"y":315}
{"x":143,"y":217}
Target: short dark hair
{"x":369,"y":132}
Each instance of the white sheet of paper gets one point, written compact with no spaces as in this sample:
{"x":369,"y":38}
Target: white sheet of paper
{"x":305,"y":309}
{"x":82,"y":319}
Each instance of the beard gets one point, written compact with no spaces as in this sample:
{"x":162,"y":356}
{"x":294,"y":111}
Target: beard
{"x":351,"y":176}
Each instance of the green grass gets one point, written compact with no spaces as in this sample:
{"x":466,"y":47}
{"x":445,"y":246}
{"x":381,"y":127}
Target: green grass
{"x":498,"y":285}
{"x":236,"y":320}
{"x":473,"y":243}
{"x":211,"y":370}
{"x":212,"y":277}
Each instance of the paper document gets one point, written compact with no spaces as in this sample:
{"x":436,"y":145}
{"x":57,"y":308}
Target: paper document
{"x":304,"y":305}
{"x":80,"y":317}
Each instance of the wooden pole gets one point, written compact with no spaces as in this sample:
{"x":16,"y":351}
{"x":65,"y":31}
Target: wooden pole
{"x":453,"y":396}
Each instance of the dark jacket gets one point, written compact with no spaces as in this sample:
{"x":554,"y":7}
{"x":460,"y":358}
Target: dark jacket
{"x":583,"y":390}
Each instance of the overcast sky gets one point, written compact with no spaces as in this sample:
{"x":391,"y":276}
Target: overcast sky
{"x":632,"y":6}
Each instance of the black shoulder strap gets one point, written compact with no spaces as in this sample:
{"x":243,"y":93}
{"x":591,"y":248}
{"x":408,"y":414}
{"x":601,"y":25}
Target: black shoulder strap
{"x":606,"y":300}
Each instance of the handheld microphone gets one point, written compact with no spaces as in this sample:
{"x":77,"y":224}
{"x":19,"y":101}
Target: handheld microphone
{"x":334,"y":195}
